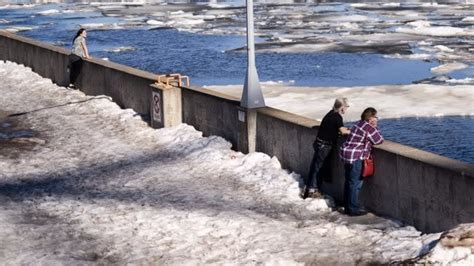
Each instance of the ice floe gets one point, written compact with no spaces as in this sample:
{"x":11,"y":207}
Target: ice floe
{"x":121,"y":49}
{"x":48,"y":12}
{"x":449,"y":67}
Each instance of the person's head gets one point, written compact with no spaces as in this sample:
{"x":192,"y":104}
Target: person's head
{"x":341,"y":105}
{"x":81,"y":32}
{"x":369,"y":114}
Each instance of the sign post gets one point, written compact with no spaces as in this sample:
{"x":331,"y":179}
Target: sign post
{"x":156,"y":108}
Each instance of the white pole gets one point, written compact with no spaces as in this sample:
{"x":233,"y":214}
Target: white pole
{"x":252,"y":96}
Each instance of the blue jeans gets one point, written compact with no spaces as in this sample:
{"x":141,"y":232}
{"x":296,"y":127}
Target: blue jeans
{"x":352,"y":185}
{"x":321,"y":151}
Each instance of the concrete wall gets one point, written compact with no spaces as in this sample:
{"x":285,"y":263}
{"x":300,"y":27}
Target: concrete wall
{"x":215,"y":114}
{"x":428,"y":191}
{"x":420,"y":188}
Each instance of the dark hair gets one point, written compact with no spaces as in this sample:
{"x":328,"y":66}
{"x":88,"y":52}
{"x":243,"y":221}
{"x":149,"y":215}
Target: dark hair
{"x":368,"y":113}
{"x":79,"y":32}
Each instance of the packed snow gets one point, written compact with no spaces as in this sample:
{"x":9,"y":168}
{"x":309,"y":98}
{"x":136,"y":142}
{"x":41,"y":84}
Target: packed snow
{"x":84,"y":181}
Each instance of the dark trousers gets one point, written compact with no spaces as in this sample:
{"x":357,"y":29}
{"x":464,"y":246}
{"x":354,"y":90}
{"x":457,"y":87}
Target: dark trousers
{"x":321,"y":151}
{"x":75,"y":66}
{"x":352,"y":186}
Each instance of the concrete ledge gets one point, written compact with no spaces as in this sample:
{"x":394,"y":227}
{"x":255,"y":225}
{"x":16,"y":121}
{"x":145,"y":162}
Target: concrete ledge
{"x":125,"y":69}
{"x":34,"y":42}
{"x":289,"y":117}
{"x":463,"y":168}
{"x":214,"y":94}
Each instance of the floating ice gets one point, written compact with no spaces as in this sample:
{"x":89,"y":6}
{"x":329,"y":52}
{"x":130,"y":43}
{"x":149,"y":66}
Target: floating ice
{"x":18,"y":29}
{"x":449,"y":67}
{"x":48,"y":12}
{"x":444,"y":31}
{"x":121,"y":49}
{"x":154,"y":22}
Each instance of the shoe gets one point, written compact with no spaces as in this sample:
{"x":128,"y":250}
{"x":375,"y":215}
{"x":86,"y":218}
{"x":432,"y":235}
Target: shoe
{"x":304,"y":193}
{"x":341,"y":210}
{"x":315,"y":194}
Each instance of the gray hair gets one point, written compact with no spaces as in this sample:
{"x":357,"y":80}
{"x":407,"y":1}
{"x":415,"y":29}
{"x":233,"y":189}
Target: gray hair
{"x":339,"y":103}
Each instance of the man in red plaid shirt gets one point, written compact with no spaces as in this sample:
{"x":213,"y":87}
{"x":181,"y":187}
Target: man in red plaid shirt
{"x":355,"y":149}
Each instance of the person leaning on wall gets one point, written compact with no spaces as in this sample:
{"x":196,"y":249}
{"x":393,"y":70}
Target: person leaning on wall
{"x":357,"y":147}
{"x":331,"y":126}
{"x":79,"y":51}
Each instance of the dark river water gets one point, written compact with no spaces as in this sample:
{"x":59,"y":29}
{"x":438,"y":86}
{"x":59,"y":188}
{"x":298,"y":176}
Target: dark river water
{"x":212,"y":60}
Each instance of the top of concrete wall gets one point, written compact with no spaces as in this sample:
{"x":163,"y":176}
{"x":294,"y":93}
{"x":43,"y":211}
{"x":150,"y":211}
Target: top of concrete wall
{"x":289,"y":117}
{"x":463,"y":168}
{"x":126,"y":69}
{"x":34,"y":42}
{"x":215,"y":94}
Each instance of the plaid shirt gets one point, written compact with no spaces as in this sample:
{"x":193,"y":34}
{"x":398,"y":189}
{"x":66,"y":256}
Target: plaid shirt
{"x":360,"y":141}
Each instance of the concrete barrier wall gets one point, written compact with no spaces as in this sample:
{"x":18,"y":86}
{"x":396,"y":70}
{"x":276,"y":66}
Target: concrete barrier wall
{"x":420,"y":188}
{"x":428,"y":191}
{"x":128,"y":87}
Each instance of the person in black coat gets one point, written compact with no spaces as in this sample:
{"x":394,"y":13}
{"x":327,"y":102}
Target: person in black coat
{"x":331,"y":126}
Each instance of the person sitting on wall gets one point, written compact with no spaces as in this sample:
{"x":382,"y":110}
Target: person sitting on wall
{"x":331,"y":126}
{"x":354,"y":150}
{"x":79,"y":51}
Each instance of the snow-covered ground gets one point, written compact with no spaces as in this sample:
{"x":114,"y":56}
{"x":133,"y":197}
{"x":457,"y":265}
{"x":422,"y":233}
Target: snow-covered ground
{"x":85,"y":182}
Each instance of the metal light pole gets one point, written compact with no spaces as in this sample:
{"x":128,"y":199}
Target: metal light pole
{"x":252,"y":96}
